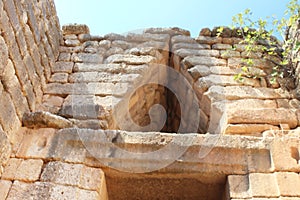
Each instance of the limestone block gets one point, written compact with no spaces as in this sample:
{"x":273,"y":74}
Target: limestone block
{"x":213,"y":80}
{"x":50,"y":191}
{"x":263,"y":185}
{"x":289,"y":184}
{"x":72,"y":43}
{"x":74,"y":175}
{"x":130,"y":59}
{"x":205,"y":32}
{"x":8,"y":115}
{"x":183,"y":39}
{"x":101,"y":77}
{"x":232,"y":40}
{"x":91,"y":123}
{"x":229,"y":54}
{"x":65,"y":67}
{"x":132,"y":37}
{"x":87,"y":58}
{"x":118,"y":89}
{"x":59,"y":78}
{"x":195,"y":52}
{"x":222,"y":46}
{"x":259,"y":63}
{"x":3,"y":54}
{"x":84,"y":37}
{"x":5,"y":148}
{"x":263,"y":116}
{"x":114,"y":36}
{"x":208,"y":61}
{"x":4,"y":188}
{"x":92,"y":67}
{"x":237,"y":187}
{"x":199,"y":71}
{"x":285,"y":155}
{"x":53,"y":100}
{"x":249,"y":129}
{"x":12,"y":85}
{"x":45,"y":120}
{"x":75,"y":29}
{"x":64,"y":57}
{"x":189,"y":46}
{"x":171,"y":31}
{"x":245,"y":92}
{"x":208,"y":40}
{"x":23,"y":170}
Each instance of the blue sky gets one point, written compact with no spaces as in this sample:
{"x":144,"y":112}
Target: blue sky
{"x":121,"y":16}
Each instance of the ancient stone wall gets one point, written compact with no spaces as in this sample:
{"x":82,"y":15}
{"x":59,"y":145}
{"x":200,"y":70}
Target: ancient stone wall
{"x":30,"y":39}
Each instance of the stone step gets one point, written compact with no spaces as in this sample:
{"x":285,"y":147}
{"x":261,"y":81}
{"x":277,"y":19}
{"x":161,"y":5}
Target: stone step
{"x":88,"y":77}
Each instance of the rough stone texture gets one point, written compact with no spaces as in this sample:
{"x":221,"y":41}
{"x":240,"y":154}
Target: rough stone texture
{"x":45,"y":120}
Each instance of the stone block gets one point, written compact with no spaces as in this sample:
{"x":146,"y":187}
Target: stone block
{"x":23,"y":170}
{"x":263,"y":185}
{"x":118,"y":89}
{"x":249,"y":129}
{"x":87,"y":58}
{"x":189,"y":46}
{"x":263,"y":116}
{"x":50,"y":191}
{"x":285,"y":155}
{"x":59,"y":78}
{"x":130,"y":59}
{"x":101,"y":77}
{"x":75,"y":29}
{"x":213,"y":80}
{"x":91,"y":124}
{"x":208,"y":40}
{"x":66,"y":67}
{"x":65,"y":57}
{"x":195,"y":52}
{"x":8,"y":116}
{"x":237,"y":187}
{"x":289,"y":184}
{"x":4,"y":188}
{"x":72,"y":43}
{"x":171,"y":31}
{"x":222,"y":46}
{"x":3,"y":54}
{"x":199,"y":71}
{"x":74,"y":175}
{"x":5,"y":148}
{"x":43,"y":119}
{"x":245,"y":92}
{"x":208,"y":61}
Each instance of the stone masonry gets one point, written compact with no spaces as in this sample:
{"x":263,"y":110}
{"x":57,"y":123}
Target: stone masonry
{"x":152,"y":115}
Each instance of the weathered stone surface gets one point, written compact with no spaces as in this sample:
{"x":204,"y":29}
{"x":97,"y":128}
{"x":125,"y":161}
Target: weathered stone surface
{"x":72,"y":43}
{"x":117,"y":89}
{"x":75,"y":29}
{"x":189,"y":46}
{"x":194,"y":52}
{"x":171,"y":31}
{"x":208,"y":61}
{"x":199,"y":71}
{"x":237,"y":187}
{"x":289,"y":184}
{"x":249,"y":129}
{"x":4,"y":188}
{"x":244,"y":92}
{"x":132,"y":37}
{"x":66,"y":67}
{"x":45,"y":120}
{"x":87,"y":58}
{"x":264,"y":116}
{"x":205,"y":32}
{"x":23,"y":170}
{"x":208,"y":40}
{"x":263,"y":185}
{"x":59,"y":78}
{"x":222,"y":46}
{"x":91,"y":124}
{"x":50,"y":191}
{"x":101,"y":77}
{"x":213,"y":80}
{"x":130,"y":59}
{"x":5,"y":148}
{"x":73,"y":175}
